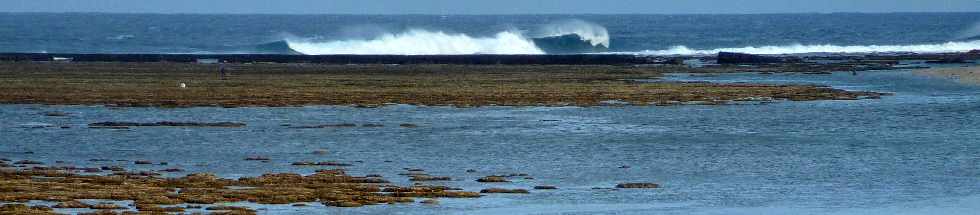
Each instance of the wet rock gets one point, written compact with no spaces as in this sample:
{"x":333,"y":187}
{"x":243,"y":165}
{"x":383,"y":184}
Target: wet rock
{"x":157,"y":208}
{"x":430,"y":178}
{"x":624,"y":167}
{"x":300,"y":205}
{"x":110,"y":127}
{"x":113,"y":168}
{"x":164,"y":163}
{"x":334,"y":172}
{"x":172,"y":170}
{"x":325,"y":163}
{"x":742,"y":58}
{"x":430,"y":201}
{"x":332,"y":163}
{"x":818,"y":73}
{"x":471,"y":170}
{"x":408,"y":125}
{"x":502,"y":190}
{"x":167,"y":124}
{"x":90,"y":170}
{"x":320,"y":152}
{"x":257,"y":158}
{"x":55,"y":114}
{"x":372,"y":125}
{"x":545,"y":187}
{"x":343,"y":125}
{"x":414,"y":170}
{"x":638,"y":186}
{"x":373,"y":176}
{"x":957,"y":59}
{"x":143,"y":162}
{"x":304,"y":163}
{"x":71,"y":204}
{"x":228,"y":208}
{"x":492,"y":179}
{"x":137,"y":174}
{"x":344,"y":204}
{"x":29,"y":162}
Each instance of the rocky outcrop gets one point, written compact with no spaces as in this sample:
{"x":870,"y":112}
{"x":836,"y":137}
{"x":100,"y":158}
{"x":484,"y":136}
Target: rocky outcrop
{"x":742,"y":58}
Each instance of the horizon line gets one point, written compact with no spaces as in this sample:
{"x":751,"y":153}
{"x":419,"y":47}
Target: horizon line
{"x":482,"y":14}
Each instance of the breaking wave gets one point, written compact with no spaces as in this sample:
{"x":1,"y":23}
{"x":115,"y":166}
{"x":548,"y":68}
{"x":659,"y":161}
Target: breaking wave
{"x":589,"y":32}
{"x":422,"y":42}
{"x":570,"y":36}
{"x":947,"y":47}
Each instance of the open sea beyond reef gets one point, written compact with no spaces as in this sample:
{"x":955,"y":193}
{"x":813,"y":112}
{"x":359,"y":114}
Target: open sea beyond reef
{"x":487,"y":34}
{"x":912,"y":153}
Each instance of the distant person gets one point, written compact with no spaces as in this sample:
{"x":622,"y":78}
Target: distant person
{"x":221,"y":70}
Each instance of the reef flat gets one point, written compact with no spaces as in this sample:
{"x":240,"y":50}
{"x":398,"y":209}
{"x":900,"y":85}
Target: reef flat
{"x":275,"y":84}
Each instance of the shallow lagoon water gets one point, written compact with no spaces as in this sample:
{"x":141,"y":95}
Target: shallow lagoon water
{"x":915,"y":152}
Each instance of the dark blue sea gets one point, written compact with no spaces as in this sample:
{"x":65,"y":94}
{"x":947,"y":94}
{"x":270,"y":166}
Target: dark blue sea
{"x":488,"y":34}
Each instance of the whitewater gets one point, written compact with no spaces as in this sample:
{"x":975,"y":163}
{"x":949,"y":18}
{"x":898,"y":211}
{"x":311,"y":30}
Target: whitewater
{"x":427,"y":42}
{"x":948,"y":47}
{"x":422,"y":42}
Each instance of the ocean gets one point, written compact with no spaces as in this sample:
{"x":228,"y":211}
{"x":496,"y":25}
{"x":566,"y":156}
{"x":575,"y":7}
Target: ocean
{"x":912,"y":153}
{"x":489,"y":34}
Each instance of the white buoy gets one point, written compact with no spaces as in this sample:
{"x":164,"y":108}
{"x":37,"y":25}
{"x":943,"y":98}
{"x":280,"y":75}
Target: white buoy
{"x":183,"y":85}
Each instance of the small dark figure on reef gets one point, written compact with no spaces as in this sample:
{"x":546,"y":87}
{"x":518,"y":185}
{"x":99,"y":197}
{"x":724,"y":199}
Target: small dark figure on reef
{"x":221,"y":70}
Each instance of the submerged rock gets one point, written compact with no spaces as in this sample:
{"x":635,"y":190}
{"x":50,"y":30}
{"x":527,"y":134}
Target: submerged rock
{"x":257,"y":158}
{"x":56,"y":113}
{"x":638,"y":186}
{"x":430,"y":178}
{"x":545,"y":187}
{"x":325,"y":163}
{"x":29,"y":162}
{"x":167,"y":124}
{"x":492,"y":179}
{"x":342,"y":125}
{"x":430,"y":201}
{"x":502,"y":190}
{"x":113,"y":168}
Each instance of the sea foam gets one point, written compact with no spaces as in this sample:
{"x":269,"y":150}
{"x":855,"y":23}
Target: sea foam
{"x":422,"y":42}
{"x":948,"y":47}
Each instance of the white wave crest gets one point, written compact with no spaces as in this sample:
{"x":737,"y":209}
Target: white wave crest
{"x":948,"y":47}
{"x":590,"y":32}
{"x":422,"y":42}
